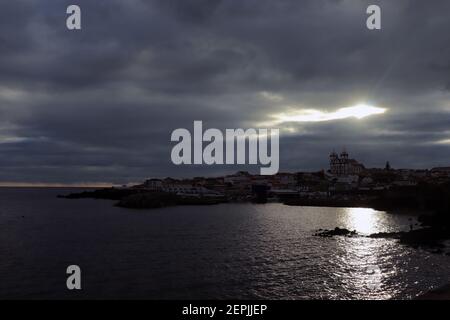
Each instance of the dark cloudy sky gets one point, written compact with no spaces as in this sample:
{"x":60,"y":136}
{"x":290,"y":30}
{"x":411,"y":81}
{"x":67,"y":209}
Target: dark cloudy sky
{"x":100,"y":104}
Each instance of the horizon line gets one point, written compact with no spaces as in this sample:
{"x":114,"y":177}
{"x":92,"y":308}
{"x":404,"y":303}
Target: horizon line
{"x":55,"y":185}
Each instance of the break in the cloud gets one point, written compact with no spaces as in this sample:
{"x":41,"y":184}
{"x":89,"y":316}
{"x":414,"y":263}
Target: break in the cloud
{"x":359,"y":111}
{"x":99,"y":105}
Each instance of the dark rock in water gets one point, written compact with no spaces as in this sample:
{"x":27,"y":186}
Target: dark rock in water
{"x":336,"y":232}
{"x":430,"y":237}
{"x":386,"y":235}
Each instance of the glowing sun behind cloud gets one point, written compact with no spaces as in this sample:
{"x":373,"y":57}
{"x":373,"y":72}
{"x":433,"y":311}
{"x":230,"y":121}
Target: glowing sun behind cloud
{"x":359,"y":111}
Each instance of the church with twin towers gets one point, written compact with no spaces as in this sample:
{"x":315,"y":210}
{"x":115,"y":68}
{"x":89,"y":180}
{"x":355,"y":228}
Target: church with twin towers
{"x":342,"y":165}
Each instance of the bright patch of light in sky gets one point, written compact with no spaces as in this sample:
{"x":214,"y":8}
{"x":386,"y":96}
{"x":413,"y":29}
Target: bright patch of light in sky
{"x":359,"y":111}
{"x":445,"y":141}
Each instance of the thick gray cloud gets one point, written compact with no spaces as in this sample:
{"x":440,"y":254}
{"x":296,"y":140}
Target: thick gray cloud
{"x":100,"y":104}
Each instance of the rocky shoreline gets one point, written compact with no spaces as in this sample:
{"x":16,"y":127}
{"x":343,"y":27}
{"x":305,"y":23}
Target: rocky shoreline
{"x":142,"y":199}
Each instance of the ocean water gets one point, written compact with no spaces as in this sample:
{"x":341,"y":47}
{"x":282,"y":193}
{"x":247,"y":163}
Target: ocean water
{"x":228,"y":251}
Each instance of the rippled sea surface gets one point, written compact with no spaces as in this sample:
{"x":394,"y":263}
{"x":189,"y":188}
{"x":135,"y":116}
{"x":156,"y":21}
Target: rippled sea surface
{"x":239,"y":251}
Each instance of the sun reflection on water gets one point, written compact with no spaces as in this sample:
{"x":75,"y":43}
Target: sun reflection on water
{"x":363,"y":263}
{"x":363,"y":220}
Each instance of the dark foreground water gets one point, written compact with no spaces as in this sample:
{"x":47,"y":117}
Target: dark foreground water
{"x":227,"y":251}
